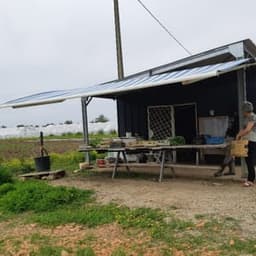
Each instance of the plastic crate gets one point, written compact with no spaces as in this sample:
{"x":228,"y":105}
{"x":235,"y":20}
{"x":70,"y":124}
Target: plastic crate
{"x":214,"y":140}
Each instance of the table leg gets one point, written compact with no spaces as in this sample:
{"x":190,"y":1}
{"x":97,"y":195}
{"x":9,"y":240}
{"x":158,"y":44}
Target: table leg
{"x":202,"y":156}
{"x":174,"y":156}
{"x":126,"y":161}
{"x":197,"y":157}
{"x":162,"y":166}
{"x":116,"y":165}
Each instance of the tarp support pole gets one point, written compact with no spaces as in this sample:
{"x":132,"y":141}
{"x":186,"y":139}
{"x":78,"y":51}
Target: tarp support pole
{"x":85,"y":102}
{"x":241,"y":89}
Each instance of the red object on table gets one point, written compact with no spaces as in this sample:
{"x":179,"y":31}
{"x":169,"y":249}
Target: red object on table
{"x":101,"y":163}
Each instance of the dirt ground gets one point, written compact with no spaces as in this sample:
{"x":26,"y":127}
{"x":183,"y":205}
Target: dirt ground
{"x":21,"y":240}
{"x":190,"y":194}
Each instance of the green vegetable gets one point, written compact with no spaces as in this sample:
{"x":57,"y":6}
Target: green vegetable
{"x":176,"y":141}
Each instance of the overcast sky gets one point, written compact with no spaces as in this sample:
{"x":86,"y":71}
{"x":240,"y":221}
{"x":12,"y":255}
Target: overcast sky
{"x":60,"y":44}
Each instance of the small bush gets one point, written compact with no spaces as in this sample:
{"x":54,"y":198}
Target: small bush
{"x":5,"y":175}
{"x":94,"y":155}
{"x":67,"y":161}
{"x":5,"y":188}
{"x":16,"y":166}
{"x":40,"y":197}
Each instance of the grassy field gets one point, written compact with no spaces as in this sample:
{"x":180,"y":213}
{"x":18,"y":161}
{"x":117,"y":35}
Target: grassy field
{"x":29,"y":147}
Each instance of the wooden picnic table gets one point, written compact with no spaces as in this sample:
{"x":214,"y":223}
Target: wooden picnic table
{"x":162,"y":150}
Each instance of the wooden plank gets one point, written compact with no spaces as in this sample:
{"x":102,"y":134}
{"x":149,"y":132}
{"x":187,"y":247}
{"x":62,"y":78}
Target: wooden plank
{"x":42,"y":174}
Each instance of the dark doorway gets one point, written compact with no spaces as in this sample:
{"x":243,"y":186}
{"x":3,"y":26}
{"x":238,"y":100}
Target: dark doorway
{"x":186,"y":126}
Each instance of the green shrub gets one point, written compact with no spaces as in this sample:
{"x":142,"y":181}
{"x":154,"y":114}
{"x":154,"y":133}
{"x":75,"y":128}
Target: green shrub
{"x":5,"y":175}
{"x":16,"y":166}
{"x":67,"y":161}
{"x":40,"y":197}
{"x":94,"y":155}
{"x":5,"y":188}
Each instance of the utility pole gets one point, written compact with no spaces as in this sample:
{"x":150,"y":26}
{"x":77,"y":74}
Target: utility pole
{"x":119,"y":52}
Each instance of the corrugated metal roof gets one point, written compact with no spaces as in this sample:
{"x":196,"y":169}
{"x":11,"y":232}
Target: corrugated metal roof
{"x":123,"y":86}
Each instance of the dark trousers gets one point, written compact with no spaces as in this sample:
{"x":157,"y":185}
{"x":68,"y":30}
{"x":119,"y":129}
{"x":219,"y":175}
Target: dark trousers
{"x":251,"y":161}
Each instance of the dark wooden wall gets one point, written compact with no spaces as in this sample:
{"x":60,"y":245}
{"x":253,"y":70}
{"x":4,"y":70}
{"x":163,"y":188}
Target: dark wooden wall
{"x":219,"y":94}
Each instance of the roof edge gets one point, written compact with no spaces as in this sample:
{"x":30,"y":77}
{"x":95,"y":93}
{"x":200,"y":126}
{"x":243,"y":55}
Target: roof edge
{"x":247,"y":45}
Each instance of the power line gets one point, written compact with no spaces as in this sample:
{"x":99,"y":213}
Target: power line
{"x":164,"y":27}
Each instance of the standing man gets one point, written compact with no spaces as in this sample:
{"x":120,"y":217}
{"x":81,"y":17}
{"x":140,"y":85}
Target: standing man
{"x":249,"y":133}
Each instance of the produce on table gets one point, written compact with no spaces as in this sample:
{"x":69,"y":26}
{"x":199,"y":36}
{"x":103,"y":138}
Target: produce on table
{"x":176,"y":141}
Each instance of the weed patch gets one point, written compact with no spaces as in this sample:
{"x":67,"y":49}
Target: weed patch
{"x":5,"y":175}
{"x":40,"y":197}
{"x":119,"y":252}
{"x":239,"y":247}
{"x":90,"y":216}
{"x":94,"y":215}
{"x":85,"y":252}
{"x":47,"y":251}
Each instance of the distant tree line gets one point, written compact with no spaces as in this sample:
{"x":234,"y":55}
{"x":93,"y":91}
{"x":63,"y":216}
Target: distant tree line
{"x":100,"y":119}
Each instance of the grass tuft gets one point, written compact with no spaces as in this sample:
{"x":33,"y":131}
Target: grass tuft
{"x":47,"y":251}
{"x":39,"y":197}
{"x":118,"y":252}
{"x":85,"y":252}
